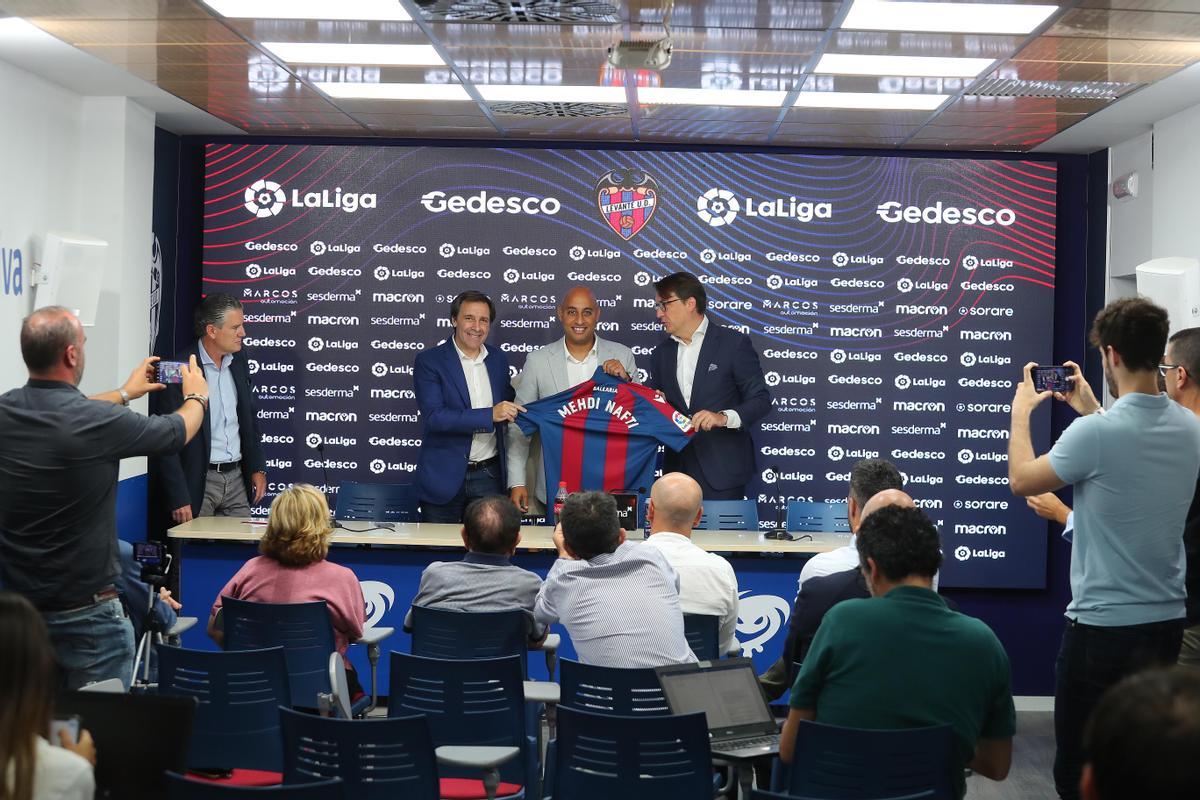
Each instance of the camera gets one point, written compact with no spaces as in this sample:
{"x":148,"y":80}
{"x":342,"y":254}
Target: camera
{"x":155,"y":561}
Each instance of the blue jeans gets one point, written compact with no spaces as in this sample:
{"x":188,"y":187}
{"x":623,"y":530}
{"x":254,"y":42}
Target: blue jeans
{"x":478,"y":483}
{"x":92,"y":643}
{"x":1090,"y":660}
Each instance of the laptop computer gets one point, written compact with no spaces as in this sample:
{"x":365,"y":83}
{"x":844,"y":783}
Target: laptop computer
{"x":138,"y":738}
{"x":739,"y":723}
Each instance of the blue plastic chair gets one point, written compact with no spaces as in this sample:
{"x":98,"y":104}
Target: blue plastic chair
{"x":377,"y":759}
{"x":376,"y":502}
{"x":183,"y":789}
{"x":612,"y":690}
{"x":604,"y":756}
{"x":729,"y":515}
{"x":805,"y":517}
{"x":451,"y":634}
{"x":473,"y":702}
{"x":703,"y":635}
{"x":237,"y":721}
{"x":759,"y":794}
{"x":855,"y":764}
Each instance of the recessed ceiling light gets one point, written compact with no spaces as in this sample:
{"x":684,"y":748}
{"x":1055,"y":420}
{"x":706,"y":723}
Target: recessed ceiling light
{"x":884,"y":15}
{"x":709,"y":97}
{"x":391,"y":55}
{"x":522,"y":93}
{"x":394,"y":91}
{"x":387,"y":10}
{"x":870,"y":100}
{"x":905,"y":66}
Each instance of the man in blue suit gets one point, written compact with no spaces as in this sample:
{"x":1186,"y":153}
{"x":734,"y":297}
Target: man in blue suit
{"x":465,"y":397}
{"x":711,"y":373}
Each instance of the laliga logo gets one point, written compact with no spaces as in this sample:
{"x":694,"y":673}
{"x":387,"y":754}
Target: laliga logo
{"x":717,"y":207}
{"x":511,"y":275}
{"x":264,"y":198}
{"x":773,"y":281}
{"x":962,"y":552}
{"x":965,"y":456}
{"x":903,"y":382}
{"x":840,"y":259}
{"x":769,"y":476}
{"x":772,"y":378}
{"x":642,"y":279}
{"x":904,"y":284}
{"x":251,"y":365}
{"x":967,"y":359}
{"x":377,"y":465}
{"x":761,"y":618}
{"x":837,"y":356}
{"x":379,"y":598}
{"x":313,"y":440}
{"x":708,"y":255}
{"x":381,"y":273}
{"x":379,"y":369}
{"x":316,"y":344}
{"x":317,"y":248}
{"x":576,"y":253}
{"x":835,"y":453}
{"x":446,"y":250}
{"x":970,"y":262}
{"x":253,"y":270}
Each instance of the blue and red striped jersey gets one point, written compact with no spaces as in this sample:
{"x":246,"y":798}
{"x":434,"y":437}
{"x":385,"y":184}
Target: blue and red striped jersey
{"x":603,"y":434}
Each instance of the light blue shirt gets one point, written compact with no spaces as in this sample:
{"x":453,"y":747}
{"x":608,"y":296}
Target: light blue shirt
{"x":1134,"y":473}
{"x":225,"y":443}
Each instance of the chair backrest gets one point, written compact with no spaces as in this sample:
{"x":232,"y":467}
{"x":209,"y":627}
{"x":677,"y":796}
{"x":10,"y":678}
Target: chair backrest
{"x":237,"y":721}
{"x":376,"y":502}
{"x":611,"y":690}
{"x":375,"y":758}
{"x":446,"y":633}
{"x":853,"y":764}
{"x":141,"y":735}
{"x":702,"y":632}
{"x":729,"y":515}
{"x":467,"y":702}
{"x":805,"y":517}
{"x":759,"y":794}
{"x":603,"y":756}
{"x":182,"y":788}
{"x":303,"y":630}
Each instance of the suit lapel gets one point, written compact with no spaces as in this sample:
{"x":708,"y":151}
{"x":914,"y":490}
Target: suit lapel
{"x":558,"y":376}
{"x":454,"y":371}
{"x":669,"y":380}
{"x":707,"y":348}
{"x":206,"y":425}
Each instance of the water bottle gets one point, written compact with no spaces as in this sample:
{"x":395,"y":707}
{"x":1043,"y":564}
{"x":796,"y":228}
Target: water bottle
{"x":559,"y":499}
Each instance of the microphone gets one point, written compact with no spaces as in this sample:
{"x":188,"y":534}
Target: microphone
{"x":780,"y":530}
{"x":325,"y":479}
{"x":641,"y":509}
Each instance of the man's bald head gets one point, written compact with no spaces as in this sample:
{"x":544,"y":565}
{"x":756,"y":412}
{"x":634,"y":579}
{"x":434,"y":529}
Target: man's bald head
{"x":45,"y":336}
{"x":676,"y":500}
{"x":888,"y":497}
{"x":579,"y":296}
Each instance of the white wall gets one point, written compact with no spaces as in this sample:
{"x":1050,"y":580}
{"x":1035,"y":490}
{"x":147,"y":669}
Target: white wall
{"x":81,"y":165}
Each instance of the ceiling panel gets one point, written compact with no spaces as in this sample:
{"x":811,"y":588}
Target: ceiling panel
{"x":1121,"y":24}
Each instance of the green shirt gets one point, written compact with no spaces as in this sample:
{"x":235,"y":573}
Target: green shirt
{"x":905,"y":660}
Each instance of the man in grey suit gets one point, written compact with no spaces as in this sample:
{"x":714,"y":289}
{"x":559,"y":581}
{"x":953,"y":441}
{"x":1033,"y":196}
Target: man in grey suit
{"x":554,"y":368}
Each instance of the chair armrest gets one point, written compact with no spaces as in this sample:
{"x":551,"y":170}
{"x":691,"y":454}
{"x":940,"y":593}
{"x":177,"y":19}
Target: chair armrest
{"x":375,"y":635}
{"x":106,"y":686}
{"x":475,"y":757}
{"x":542,"y":692}
{"x":181,"y":625}
{"x":551,"y":642}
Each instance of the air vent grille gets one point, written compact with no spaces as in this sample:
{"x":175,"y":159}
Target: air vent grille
{"x":549,"y":12}
{"x":1070,"y":90}
{"x":574,"y":110}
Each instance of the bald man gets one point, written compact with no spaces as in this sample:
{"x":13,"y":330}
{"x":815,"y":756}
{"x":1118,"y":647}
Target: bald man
{"x":556,"y":367}
{"x":707,"y":583}
{"x":59,"y":455}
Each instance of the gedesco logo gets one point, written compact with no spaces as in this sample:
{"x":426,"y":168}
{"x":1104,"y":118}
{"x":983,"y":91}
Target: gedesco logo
{"x":483,"y":203}
{"x":938,"y":214}
{"x":264,"y":198}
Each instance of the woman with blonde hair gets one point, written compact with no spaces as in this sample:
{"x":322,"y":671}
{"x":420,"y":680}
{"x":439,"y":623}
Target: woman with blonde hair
{"x":293,"y":569}
{"x":30,"y":768}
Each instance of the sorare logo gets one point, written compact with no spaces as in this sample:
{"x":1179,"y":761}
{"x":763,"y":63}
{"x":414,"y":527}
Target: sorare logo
{"x":626,"y":199}
{"x":264,"y":198}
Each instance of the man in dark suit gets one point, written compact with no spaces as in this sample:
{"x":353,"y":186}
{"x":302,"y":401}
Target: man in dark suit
{"x":223,"y":471}
{"x":465,"y":397}
{"x":711,"y":373}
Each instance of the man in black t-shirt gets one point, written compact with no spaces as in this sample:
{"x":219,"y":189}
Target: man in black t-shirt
{"x":59,"y":458}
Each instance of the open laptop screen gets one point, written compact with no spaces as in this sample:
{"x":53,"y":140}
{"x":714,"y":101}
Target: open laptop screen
{"x":727,"y":691}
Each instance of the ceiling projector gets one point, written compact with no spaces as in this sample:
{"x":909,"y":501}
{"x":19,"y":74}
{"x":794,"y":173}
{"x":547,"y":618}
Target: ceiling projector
{"x":652,"y":54}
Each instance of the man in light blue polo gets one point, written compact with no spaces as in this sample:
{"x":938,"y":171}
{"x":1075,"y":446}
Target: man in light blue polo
{"x":1134,"y":471}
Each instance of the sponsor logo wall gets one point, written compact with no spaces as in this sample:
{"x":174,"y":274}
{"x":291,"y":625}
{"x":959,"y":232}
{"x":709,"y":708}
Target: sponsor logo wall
{"x":892,"y":301}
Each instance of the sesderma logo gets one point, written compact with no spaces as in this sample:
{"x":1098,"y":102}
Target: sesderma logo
{"x":264,"y":198}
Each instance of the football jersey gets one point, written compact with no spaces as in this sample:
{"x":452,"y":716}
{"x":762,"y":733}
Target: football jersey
{"x":603,"y":434}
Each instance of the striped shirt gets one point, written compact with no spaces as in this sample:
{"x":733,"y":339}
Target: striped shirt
{"x":620,"y":609}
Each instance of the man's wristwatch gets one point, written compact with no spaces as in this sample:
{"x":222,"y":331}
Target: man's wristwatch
{"x":124,"y":396}
{"x":199,"y":398}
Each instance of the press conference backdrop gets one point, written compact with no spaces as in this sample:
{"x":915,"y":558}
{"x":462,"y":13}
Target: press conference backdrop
{"x":892,"y":301}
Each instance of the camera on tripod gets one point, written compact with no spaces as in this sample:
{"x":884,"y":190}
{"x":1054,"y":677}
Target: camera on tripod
{"x":155,"y":561}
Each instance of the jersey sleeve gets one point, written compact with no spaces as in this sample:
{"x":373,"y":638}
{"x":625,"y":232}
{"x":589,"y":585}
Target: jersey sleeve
{"x":670,"y":427}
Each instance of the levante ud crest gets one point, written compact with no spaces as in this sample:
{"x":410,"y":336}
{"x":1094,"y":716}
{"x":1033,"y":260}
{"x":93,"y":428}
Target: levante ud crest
{"x":627,"y":199}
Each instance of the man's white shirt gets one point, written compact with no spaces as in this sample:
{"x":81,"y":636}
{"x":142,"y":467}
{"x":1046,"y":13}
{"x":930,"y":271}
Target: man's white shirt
{"x":479,"y":389}
{"x":580,"y":371}
{"x":686,"y":359}
{"x":707,"y":583}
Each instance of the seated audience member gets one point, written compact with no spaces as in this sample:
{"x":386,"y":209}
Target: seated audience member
{"x":485,"y":579}
{"x":819,"y":594}
{"x":293,"y":569}
{"x":618,"y":600}
{"x":1143,"y":738}
{"x":707,"y":584}
{"x":902,"y":659}
{"x":30,"y":767}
